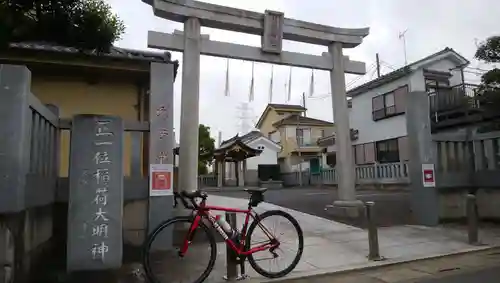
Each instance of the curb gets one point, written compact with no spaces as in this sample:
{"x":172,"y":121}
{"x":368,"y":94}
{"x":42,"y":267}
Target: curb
{"x":378,"y":264}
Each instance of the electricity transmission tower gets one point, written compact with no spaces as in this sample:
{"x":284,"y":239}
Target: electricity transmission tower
{"x":246,"y":118}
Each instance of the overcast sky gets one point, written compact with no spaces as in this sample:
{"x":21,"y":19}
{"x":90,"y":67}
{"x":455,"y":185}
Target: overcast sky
{"x":431,"y":26}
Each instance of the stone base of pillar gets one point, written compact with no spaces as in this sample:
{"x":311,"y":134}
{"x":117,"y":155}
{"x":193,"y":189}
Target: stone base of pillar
{"x":346,"y":208}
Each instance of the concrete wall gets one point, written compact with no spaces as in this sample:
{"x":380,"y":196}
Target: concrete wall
{"x":74,"y":96}
{"x":452,"y":204}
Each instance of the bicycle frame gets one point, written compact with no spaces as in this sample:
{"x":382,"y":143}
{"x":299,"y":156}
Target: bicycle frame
{"x":203,"y":211}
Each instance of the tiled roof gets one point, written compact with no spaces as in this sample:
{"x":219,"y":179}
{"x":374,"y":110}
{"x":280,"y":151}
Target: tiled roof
{"x":286,"y":106}
{"x":278,"y":106}
{"x":298,"y":119}
{"x":114,"y":52}
{"x":394,"y":75}
{"x":246,"y":138}
{"x":236,"y":140}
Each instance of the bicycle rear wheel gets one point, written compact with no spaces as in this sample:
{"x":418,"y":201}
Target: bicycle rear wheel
{"x":161,"y":259}
{"x":289,"y":249}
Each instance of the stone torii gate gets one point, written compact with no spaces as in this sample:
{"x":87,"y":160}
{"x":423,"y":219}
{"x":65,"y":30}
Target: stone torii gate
{"x":273,"y":27}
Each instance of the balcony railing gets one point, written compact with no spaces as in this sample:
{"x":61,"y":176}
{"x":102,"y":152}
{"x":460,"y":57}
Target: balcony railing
{"x":302,"y":142}
{"x":461,"y":97}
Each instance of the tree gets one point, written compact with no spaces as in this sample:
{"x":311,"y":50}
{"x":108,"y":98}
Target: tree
{"x":489,"y":52}
{"x":205,"y":149}
{"x":489,"y":89}
{"x":84,"y":24}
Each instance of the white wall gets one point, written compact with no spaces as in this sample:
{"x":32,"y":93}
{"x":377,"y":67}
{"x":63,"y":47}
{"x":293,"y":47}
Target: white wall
{"x":360,"y":116}
{"x":443,"y":65}
{"x":269,"y":154}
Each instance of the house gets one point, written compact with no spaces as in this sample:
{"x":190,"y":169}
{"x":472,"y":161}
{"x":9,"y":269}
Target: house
{"x":268,"y":156}
{"x":288,"y":126}
{"x":378,"y":106}
{"x":113,"y":83}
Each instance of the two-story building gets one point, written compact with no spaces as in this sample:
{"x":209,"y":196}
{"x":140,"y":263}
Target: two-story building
{"x":288,"y":126}
{"x":378,"y":106}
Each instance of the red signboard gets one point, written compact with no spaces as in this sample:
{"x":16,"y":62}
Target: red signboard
{"x":428,"y":175}
{"x":161,"y":179}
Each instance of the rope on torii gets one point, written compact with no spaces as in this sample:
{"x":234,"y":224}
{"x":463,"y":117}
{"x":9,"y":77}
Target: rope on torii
{"x":289,"y":95}
{"x":311,"y":84}
{"x":271,"y":85}
{"x":226,"y":90}
{"x":251,"y":95}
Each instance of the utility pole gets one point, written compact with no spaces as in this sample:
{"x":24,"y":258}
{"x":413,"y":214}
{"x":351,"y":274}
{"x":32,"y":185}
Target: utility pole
{"x":402,"y":35}
{"x":304,"y":103}
{"x":378,"y":65}
{"x":297,"y":140}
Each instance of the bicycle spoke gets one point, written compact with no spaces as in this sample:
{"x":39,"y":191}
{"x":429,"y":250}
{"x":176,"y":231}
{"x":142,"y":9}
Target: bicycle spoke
{"x":166,"y":265}
{"x":273,"y":261}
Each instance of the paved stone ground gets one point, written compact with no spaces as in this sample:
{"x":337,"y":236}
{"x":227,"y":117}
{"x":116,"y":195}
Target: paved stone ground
{"x":330,"y":247}
{"x":333,"y":247}
{"x":482,"y":266}
{"x":392,"y":208}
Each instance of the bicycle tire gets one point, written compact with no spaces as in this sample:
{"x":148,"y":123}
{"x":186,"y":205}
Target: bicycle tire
{"x":210,"y":237}
{"x":297,"y":258}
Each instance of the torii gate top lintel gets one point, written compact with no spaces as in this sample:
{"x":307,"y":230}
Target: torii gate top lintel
{"x":238,"y":20}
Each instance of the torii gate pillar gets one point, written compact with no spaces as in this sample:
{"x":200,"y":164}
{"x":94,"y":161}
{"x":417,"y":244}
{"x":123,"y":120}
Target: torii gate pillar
{"x":190,"y":106}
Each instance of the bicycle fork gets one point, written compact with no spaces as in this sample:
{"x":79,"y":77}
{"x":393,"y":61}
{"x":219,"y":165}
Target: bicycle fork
{"x":189,"y":236}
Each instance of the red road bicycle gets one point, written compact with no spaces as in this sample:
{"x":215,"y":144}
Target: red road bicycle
{"x":197,"y":227}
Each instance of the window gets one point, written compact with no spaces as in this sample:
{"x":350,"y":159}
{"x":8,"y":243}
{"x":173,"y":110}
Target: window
{"x":387,"y":151}
{"x":303,"y":136}
{"x":432,"y":85}
{"x":400,"y":99}
{"x":260,"y":147}
{"x":322,"y":133}
{"x":299,"y":134}
{"x":378,"y":107}
{"x":331,"y":159}
{"x":364,"y":153}
{"x":389,"y":104}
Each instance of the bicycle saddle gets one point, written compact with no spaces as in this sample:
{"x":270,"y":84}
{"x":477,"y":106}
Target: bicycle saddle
{"x":255,"y":190}
{"x":195,"y":194}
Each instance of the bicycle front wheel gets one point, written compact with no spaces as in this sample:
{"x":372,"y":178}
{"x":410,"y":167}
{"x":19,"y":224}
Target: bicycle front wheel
{"x":162,"y":260}
{"x":275,"y":225}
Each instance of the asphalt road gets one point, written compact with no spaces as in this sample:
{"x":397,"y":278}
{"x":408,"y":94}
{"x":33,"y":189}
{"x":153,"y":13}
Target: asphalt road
{"x":489,"y":275}
{"x":391,"y":208}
